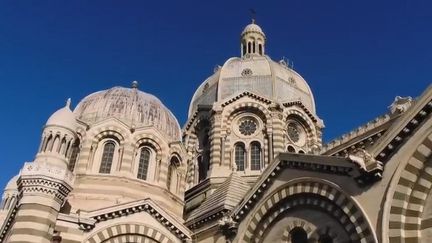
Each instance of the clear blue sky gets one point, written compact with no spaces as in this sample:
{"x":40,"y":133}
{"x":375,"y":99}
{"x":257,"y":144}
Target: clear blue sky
{"x":356,"y":55}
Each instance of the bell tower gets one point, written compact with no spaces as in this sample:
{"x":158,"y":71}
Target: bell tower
{"x":252,"y":40}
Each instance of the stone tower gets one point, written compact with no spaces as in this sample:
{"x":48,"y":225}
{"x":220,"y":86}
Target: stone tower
{"x":251,"y":109}
{"x":44,"y":184}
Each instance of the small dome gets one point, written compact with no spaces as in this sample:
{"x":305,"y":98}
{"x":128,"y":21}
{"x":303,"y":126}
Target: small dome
{"x":252,"y":28}
{"x":63,"y":117}
{"x":12,"y":184}
{"x":131,"y":106}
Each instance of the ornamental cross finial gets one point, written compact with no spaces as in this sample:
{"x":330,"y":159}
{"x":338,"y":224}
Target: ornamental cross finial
{"x":253,"y":15}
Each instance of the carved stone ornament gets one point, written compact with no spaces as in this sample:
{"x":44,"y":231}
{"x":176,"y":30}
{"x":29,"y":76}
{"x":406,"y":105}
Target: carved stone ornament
{"x":366,"y":162}
{"x":228,"y":226}
{"x":400,"y":104}
{"x":246,"y":72}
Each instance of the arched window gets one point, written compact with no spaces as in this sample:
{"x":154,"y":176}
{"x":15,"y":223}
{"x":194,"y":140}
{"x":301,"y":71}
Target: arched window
{"x":143,"y":165}
{"x":172,"y":168}
{"x":49,"y":143}
{"x":249,"y":47}
{"x":74,"y":156}
{"x":253,"y":47}
{"x":298,"y":235}
{"x":204,"y":158}
{"x":301,"y":152}
{"x":239,"y":156}
{"x":291,"y":149}
{"x":107,"y":158}
{"x":244,"y":48}
{"x":255,"y":156}
{"x":260,"y":49}
{"x":325,"y":239}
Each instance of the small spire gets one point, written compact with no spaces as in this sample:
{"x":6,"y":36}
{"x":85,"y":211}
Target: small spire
{"x":68,"y":103}
{"x":134,"y":84}
{"x":253,"y":21}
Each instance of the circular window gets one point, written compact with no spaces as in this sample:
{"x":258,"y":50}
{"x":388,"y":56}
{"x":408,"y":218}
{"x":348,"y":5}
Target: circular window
{"x":296,"y":133}
{"x":247,"y":127}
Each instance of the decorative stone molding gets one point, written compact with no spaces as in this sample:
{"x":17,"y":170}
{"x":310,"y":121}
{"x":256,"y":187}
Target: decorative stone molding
{"x":246,"y":94}
{"x":359,"y":131}
{"x":31,"y":169}
{"x":136,"y":207}
{"x":45,"y":179}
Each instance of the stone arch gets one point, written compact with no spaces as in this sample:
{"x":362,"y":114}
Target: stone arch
{"x":252,"y":107}
{"x":409,"y":189}
{"x":151,"y":141}
{"x":309,"y":228}
{"x":117,"y":231}
{"x":305,"y":121}
{"x":344,"y":206}
{"x":106,"y":133}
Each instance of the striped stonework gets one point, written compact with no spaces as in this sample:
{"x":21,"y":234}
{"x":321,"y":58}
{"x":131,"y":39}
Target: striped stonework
{"x":131,"y":232}
{"x":215,"y":141}
{"x":322,"y":194}
{"x":278,"y":132}
{"x":43,"y":189}
{"x":33,"y":223}
{"x":410,"y":194}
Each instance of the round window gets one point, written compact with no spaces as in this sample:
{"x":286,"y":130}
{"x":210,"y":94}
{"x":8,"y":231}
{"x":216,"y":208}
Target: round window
{"x":296,"y":133}
{"x":247,"y":127}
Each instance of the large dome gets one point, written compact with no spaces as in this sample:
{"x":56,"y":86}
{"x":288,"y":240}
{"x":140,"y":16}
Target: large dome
{"x":257,"y":74}
{"x":131,"y":106}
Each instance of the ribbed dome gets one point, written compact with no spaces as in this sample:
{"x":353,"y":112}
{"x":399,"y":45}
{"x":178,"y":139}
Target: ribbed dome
{"x":257,"y":74}
{"x":63,"y":117}
{"x":252,"y":28}
{"x":131,"y":106}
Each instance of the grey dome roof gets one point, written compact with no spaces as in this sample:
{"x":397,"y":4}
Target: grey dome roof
{"x":257,"y":74}
{"x":130,"y":105}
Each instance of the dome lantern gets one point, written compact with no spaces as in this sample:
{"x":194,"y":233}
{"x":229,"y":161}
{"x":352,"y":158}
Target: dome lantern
{"x":252,"y":40}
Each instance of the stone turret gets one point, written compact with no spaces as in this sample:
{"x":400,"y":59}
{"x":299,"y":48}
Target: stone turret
{"x":44,"y":184}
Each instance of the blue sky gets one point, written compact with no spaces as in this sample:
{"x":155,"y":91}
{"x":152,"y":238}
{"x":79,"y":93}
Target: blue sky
{"x":356,"y":55}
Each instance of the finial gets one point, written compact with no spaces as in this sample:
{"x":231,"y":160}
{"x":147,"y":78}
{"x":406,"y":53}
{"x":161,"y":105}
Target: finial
{"x":253,"y":14}
{"x":135,"y":84}
{"x":68,"y":102}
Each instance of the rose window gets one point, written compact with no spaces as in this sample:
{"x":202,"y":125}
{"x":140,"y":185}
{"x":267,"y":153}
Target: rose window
{"x":293,"y":132}
{"x":247,"y":127}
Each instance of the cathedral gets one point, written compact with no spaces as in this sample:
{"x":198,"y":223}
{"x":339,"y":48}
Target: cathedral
{"x":249,"y":165}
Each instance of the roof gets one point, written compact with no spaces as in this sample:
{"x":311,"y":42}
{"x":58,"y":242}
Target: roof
{"x":131,"y":106}
{"x":256,"y":74}
{"x":227,"y":196}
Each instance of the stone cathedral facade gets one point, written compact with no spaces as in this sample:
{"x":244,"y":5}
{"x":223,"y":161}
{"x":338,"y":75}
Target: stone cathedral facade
{"x":249,"y":165}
